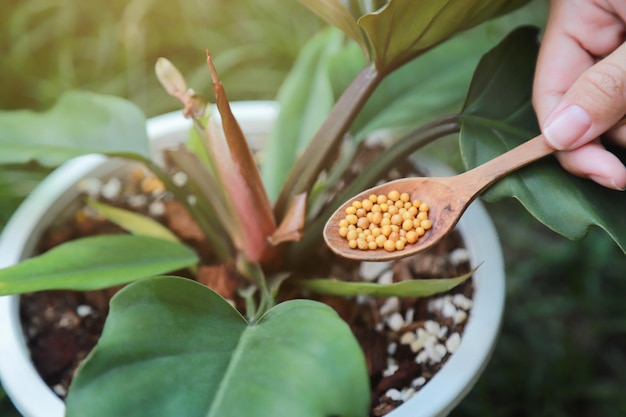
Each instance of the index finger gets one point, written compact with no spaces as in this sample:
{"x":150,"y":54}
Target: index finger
{"x":561,"y":61}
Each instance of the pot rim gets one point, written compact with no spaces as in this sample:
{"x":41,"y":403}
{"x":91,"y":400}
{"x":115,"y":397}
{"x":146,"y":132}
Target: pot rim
{"x":438,"y":397}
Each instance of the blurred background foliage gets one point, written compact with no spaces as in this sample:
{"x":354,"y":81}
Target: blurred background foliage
{"x":562,"y":351}
{"x":111,"y":47}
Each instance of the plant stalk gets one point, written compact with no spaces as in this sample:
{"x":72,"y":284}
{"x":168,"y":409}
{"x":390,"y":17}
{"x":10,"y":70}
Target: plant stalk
{"x":317,"y":155}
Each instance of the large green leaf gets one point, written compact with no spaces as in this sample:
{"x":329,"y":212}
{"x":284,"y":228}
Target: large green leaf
{"x":305,"y":98}
{"x":397,"y":31}
{"x":172,"y":347}
{"x":80,"y":123}
{"x":404,"y":29}
{"x":498,"y":116}
{"x":96,"y":262}
{"x":425,"y":88}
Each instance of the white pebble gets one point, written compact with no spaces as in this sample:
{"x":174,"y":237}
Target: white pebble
{"x":453,"y":342}
{"x":432,"y":327}
{"x":386,"y":278}
{"x":409,"y":315}
{"x":392,"y":348}
{"x":459,"y":256}
{"x":192,"y":200}
{"x":423,"y":338}
{"x":112,"y":188}
{"x":395,"y":322}
{"x":381,"y":137}
{"x":448,"y":310}
{"x":179,"y":179}
{"x":156,"y":208}
{"x":393,"y":394}
{"x":390,"y":306}
{"x":379,"y":327}
{"x":435,"y":352}
{"x":59,"y":390}
{"x":435,"y":305}
{"x":137,"y":200}
{"x":407,"y":393}
{"x":441,"y":351}
{"x":442,"y":332}
{"x":417,"y":345}
{"x":463,"y":302}
{"x":421,"y":357}
{"x":90,"y":186}
{"x":391,"y":369}
{"x":460,"y":317}
{"x":418,"y":382}
{"x":369,"y":271}
{"x":83,"y":310}
{"x":407,"y":338}
{"x":363,"y":299}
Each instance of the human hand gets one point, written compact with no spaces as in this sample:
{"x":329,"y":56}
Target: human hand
{"x":580,"y":86}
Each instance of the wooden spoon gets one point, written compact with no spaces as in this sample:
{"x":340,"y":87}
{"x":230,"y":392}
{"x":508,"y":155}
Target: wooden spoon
{"x":448,"y":197}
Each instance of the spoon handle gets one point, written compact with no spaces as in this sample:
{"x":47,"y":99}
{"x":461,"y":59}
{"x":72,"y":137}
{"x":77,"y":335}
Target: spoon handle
{"x":476,"y":180}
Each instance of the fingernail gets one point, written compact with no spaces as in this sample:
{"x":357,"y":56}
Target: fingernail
{"x":606,"y":182}
{"x":569,"y":125}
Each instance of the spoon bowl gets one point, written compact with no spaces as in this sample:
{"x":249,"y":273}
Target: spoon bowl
{"x":447,"y":198}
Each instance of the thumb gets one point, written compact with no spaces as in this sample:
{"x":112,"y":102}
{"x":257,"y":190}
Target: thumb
{"x":591,"y":106}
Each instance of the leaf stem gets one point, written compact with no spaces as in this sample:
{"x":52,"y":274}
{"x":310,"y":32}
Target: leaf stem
{"x":318,"y":154}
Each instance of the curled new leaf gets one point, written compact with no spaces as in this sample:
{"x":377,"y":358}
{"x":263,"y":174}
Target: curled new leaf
{"x":240,"y":175}
{"x":170,"y":78}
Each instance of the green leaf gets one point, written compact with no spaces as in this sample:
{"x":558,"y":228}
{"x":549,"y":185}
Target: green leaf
{"x":424,"y":88}
{"x":133,"y":222}
{"x":404,"y":29}
{"x":174,"y":347}
{"x":94,"y":263}
{"x":498,"y":116}
{"x":412,"y":288}
{"x":305,"y":98}
{"x":337,"y":14}
{"x":80,"y":123}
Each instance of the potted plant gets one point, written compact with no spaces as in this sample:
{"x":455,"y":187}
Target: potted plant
{"x":187,"y":349}
{"x":35,"y":398}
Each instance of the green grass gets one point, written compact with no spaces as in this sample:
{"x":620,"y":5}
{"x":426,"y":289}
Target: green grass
{"x":110,"y":47}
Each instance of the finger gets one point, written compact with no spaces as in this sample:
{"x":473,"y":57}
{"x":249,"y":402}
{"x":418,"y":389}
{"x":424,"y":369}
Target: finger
{"x":593,"y":161}
{"x":592,"y":105}
{"x":561,"y":60}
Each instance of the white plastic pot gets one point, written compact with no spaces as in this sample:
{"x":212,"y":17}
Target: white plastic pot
{"x":32,"y":397}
